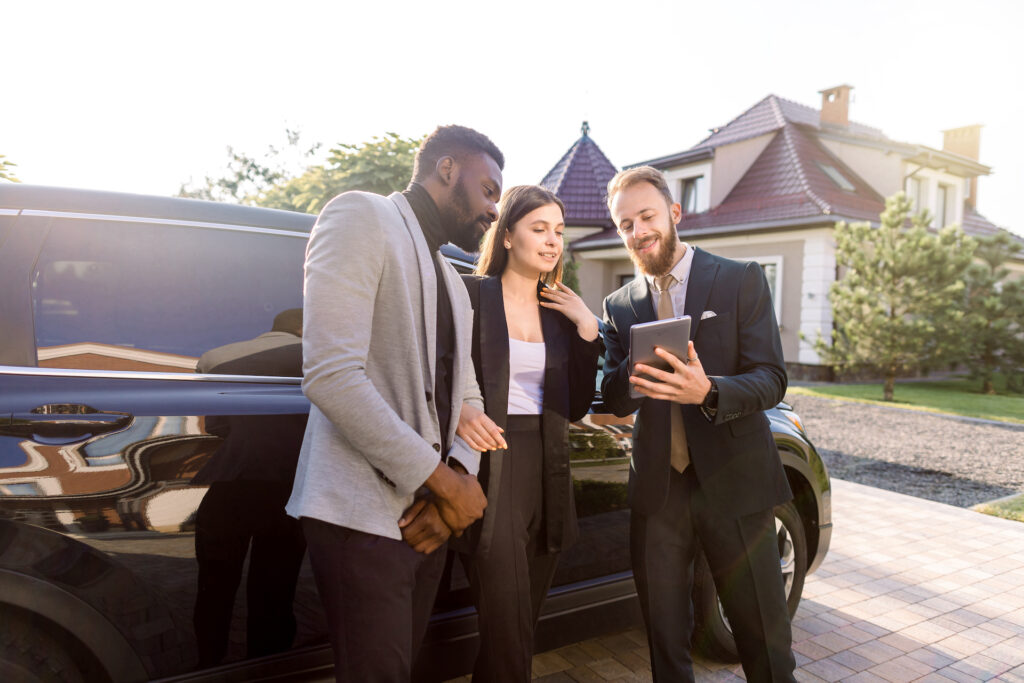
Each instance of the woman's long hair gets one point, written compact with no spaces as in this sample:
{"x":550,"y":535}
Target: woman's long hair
{"x":516,"y":203}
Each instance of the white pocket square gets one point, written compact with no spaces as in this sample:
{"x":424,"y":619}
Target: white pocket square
{"x":708,"y":314}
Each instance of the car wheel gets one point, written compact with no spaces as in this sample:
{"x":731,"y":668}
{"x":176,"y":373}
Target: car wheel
{"x":28,"y":654}
{"x":712,"y":634}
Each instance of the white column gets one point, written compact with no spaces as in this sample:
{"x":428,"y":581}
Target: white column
{"x":815,"y":309}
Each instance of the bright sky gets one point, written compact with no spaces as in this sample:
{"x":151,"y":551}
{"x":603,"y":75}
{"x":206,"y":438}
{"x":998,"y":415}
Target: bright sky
{"x":141,"y":96}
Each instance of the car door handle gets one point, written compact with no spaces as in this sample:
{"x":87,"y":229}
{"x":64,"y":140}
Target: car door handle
{"x":65,"y":420}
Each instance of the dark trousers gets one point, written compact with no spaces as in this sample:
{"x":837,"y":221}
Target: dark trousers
{"x":744,"y":561}
{"x":233,"y":516}
{"x":377,"y":593}
{"x":509,"y":584}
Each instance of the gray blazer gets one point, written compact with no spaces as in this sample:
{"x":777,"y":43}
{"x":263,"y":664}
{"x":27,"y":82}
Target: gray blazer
{"x":369,"y":340}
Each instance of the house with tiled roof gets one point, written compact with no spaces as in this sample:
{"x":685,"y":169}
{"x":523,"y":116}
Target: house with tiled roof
{"x":579,"y":179}
{"x":770,"y":185}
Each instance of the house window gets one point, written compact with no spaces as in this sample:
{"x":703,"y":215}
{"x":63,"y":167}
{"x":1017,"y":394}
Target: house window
{"x":836,"y":177}
{"x":691,"y":192}
{"x":772,"y":267}
{"x":916,"y":194}
{"x":625,"y":279}
{"x":943,"y":216}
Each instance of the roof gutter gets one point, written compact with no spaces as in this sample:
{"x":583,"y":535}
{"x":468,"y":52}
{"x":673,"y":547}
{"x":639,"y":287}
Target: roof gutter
{"x":689,"y":156}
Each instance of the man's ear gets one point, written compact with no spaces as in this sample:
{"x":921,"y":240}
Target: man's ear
{"x":447,"y":170}
{"x":676,"y":212}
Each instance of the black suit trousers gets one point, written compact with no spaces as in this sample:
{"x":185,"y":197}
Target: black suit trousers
{"x":744,"y":561}
{"x":378,"y":594}
{"x":509,"y":583}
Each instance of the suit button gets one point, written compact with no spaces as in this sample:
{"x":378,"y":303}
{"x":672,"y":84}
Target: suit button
{"x":437,"y":447}
{"x":430,"y":396}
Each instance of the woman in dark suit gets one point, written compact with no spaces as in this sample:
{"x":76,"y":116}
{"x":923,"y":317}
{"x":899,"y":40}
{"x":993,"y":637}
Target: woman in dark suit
{"x":535,"y":348}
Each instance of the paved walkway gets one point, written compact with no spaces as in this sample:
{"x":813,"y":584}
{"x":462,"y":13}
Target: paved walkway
{"x":910,"y":590}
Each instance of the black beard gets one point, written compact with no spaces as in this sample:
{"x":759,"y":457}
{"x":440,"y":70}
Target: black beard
{"x":465,"y":230}
{"x":661,"y":262}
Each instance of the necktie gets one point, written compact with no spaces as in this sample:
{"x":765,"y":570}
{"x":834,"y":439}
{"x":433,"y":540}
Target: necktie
{"x":680,"y":453}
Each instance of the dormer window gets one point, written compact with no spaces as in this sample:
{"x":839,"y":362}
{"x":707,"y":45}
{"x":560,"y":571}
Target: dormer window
{"x":691,"y":194}
{"x":836,"y":177}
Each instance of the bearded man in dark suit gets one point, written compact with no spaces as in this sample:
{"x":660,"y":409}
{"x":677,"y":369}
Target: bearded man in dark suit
{"x":705,"y":468}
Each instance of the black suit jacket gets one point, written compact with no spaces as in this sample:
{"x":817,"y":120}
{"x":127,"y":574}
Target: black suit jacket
{"x":734,"y":456}
{"x":570,"y":369}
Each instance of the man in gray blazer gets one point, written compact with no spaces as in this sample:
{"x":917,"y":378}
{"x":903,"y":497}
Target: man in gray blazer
{"x":387,"y":367}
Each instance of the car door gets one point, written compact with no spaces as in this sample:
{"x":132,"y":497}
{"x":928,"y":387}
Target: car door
{"x":110,"y":439}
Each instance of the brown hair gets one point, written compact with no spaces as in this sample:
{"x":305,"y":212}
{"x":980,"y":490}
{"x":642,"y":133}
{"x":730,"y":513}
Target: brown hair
{"x":515,"y":203}
{"x":640,"y":174}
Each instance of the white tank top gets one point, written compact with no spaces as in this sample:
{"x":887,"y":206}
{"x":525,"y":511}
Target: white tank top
{"x":525,"y":377}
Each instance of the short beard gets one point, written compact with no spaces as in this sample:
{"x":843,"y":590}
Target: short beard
{"x":661,"y":262}
{"x":465,"y":230}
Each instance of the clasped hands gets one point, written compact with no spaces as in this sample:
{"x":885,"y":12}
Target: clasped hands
{"x":687,"y":383}
{"x":456,"y":499}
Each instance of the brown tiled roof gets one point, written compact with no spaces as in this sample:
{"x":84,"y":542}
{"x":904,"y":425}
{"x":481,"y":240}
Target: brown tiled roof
{"x":787,"y":183}
{"x":976,"y":224}
{"x":788,"y":180}
{"x":579,"y":179}
{"x":772,"y":113}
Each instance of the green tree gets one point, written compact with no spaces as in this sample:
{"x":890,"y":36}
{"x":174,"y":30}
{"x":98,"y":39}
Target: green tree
{"x":5,"y":170}
{"x":1012,"y":365}
{"x":989,"y":329}
{"x":896,"y":308}
{"x":248,"y":178}
{"x":382,"y":165}
{"x":570,"y":273}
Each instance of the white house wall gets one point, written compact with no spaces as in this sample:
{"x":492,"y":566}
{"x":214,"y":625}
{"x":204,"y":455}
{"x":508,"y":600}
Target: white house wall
{"x":879,"y":169}
{"x":819,"y":272}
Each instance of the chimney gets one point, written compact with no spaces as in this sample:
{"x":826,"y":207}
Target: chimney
{"x":835,"y":105}
{"x":965,"y":141}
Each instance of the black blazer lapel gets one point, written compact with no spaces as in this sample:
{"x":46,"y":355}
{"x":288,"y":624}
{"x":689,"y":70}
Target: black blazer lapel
{"x":494,"y":350}
{"x":641,"y":301}
{"x":702,"y":276}
{"x":553,"y":428}
{"x":493,"y":374}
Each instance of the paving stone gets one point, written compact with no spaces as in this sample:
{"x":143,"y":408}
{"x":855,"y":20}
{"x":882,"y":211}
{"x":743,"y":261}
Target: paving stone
{"x":829,"y":670}
{"x":852,"y":660}
{"x":609,"y":669}
{"x":548,"y":663}
{"x":895,"y":671}
{"x":981,"y":667}
{"x":877,"y":652}
{"x":931,"y":656}
{"x":833,"y":641}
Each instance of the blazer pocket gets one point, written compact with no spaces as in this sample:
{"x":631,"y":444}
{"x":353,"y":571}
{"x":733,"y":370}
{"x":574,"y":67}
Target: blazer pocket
{"x":713,"y":323}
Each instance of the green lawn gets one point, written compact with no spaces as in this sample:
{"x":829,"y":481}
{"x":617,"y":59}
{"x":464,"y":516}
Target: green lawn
{"x":1010,"y":508}
{"x":953,"y":396}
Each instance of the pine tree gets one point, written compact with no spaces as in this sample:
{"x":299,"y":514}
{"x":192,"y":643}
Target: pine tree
{"x":1012,"y":360}
{"x":897,"y":306}
{"x":990,"y":328}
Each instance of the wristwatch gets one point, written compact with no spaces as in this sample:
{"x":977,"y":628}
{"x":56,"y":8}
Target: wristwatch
{"x":710,"y":403}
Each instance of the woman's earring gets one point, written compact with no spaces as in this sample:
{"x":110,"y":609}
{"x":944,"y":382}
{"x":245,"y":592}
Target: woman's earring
{"x":508,"y":245}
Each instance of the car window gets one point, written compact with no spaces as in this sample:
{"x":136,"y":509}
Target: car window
{"x":113,"y":295}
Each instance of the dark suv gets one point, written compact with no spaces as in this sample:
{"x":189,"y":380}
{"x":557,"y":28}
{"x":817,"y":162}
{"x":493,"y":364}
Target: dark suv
{"x":108,"y":434}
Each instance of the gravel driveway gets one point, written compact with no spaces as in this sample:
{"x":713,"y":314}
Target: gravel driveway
{"x":945,"y":459}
